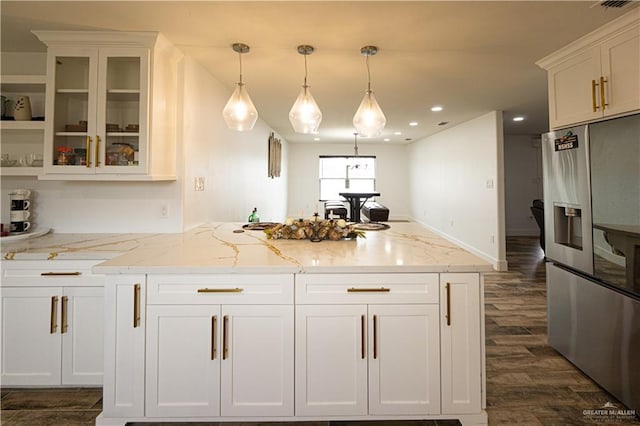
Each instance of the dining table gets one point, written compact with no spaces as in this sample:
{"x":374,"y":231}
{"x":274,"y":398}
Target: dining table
{"x":356,"y":200}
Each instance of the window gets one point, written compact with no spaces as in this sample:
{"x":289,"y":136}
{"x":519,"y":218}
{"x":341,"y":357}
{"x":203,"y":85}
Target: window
{"x":346,"y":173}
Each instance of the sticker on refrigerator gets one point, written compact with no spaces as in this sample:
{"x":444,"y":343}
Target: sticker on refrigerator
{"x":568,"y":141}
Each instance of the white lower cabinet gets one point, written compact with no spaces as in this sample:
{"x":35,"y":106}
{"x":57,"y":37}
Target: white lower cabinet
{"x":461,"y":342}
{"x":404,"y":359}
{"x":331,"y":360}
{"x":212,"y":360}
{"x":52,"y":324}
{"x":124,"y":375}
{"x":380,"y":356}
{"x":359,"y":360}
{"x":246,"y":346}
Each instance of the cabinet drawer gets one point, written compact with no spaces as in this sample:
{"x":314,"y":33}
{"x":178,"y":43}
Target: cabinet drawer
{"x":366,"y":288}
{"x":47,"y":273}
{"x":219,"y":289}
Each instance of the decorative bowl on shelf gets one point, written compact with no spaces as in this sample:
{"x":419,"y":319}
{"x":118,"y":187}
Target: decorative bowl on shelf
{"x":8,"y":163}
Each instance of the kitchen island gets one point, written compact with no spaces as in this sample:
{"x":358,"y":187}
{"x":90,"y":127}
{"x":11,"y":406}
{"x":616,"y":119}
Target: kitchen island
{"x":221,"y":325}
{"x":214,"y":324}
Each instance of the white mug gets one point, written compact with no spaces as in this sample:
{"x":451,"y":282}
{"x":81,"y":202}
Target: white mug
{"x":20,"y":215}
{"x":20,"y":194}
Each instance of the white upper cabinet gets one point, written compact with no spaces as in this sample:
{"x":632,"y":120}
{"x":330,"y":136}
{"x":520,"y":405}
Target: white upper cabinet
{"x":597,"y":76}
{"x":110,"y":103}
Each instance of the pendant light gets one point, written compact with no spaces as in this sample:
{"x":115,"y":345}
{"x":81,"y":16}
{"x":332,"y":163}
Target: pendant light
{"x":369,"y":119}
{"x":240,"y":114}
{"x":305,"y":116}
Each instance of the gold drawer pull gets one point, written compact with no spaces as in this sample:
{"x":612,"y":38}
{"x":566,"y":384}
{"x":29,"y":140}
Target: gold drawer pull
{"x":53,"y":324}
{"x":136,"y":305}
{"x":214,"y":325}
{"x":603,"y":101}
{"x":448,"y":315}
{"x":220,"y":290}
{"x":59,"y":274}
{"x":98,"y":151}
{"x":65,"y":325}
{"x":368,"y":290}
{"x":375,"y":337}
{"x":87,"y":155}
{"x":225,"y":337}
{"x":362,"y":334}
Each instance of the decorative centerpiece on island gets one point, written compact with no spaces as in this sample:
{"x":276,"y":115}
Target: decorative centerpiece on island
{"x":314,"y":229}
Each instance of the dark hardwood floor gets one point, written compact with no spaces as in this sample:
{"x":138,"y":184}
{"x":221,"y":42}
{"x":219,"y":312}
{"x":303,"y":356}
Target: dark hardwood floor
{"x":528,"y":382}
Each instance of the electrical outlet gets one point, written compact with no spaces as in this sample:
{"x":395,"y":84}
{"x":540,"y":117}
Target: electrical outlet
{"x":164,"y":211}
{"x":199,"y":183}
{"x":489,"y":183}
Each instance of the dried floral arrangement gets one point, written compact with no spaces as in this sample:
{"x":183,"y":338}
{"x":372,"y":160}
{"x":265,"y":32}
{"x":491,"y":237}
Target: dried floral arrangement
{"x":314,"y":229}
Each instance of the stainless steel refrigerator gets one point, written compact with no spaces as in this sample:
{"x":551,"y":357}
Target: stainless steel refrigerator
{"x":591,"y":177}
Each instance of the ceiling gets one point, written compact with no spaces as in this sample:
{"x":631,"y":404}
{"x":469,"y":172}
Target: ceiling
{"x":471,"y":57}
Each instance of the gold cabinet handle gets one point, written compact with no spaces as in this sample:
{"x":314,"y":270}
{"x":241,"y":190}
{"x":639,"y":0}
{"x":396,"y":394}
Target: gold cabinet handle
{"x":603,"y":101}
{"x":448,"y":287}
{"x":214,"y":325}
{"x":375,"y":337}
{"x":87,"y":155}
{"x":362,"y":340}
{"x":368,"y":290}
{"x":59,"y":274}
{"x":53,"y":323}
{"x":225,"y":336}
{"x":65,"y":301}
{"x":593,"y":95}
{"x":220,"y":290}
{"x":136,"y":305}
{"x":97,"y":151}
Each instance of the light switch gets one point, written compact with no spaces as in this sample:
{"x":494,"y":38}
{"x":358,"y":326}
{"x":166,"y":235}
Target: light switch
{"x":199,"y":183}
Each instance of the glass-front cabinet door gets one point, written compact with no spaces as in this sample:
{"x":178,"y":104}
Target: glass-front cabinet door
{"x":99,"y":108}
{"x":122,"y":111}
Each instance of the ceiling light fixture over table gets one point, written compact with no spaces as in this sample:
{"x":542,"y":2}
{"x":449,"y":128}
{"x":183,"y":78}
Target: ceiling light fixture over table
{"x":369,"y":119}
{"x":305,"y":116}
{"x":239,"y":113}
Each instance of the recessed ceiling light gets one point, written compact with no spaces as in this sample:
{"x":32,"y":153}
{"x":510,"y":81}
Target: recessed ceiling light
{"x":436,"y":108}
{"x":387,"y":139}
{"x":316,"y":139}
{"x":413,"y":123}
{"x":397,"y":133}
{"x":519,"y":118}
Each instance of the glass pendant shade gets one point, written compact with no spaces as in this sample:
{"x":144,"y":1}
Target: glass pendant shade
{"x":369,"y":119}
{"x":240,"y":114}
{"x":305,"y":115}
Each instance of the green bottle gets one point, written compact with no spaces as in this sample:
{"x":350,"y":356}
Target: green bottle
{"x":253,"y":217}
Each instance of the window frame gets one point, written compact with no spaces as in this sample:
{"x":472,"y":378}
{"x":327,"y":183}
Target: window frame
{"x":347,"y":157}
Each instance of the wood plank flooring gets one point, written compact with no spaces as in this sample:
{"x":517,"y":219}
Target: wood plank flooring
{"x":528,"y":382}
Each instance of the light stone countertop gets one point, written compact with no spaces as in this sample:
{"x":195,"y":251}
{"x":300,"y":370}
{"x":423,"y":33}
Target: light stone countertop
{"x":215,"y":248}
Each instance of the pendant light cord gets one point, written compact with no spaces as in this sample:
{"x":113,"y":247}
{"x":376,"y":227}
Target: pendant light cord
{"x":368,"y":74}
{"x":240,"y":60}
{"x":305,"y":71}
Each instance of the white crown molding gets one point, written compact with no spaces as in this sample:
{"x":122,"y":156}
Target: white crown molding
{"x":97,"y":38}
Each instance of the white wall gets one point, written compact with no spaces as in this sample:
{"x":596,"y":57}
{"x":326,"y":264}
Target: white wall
{"x":391,"y":175}
{"x":523,"y":182}
{"x":234,"y":164}
{"x":456,"y":185}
